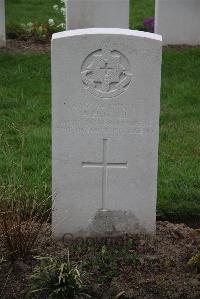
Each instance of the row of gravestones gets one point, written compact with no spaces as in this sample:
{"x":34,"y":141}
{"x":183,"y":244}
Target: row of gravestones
{"x":177,"y":21}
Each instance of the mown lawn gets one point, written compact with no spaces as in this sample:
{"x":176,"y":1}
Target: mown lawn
{"x":25,"y":113}
{"x":25,"y":133}
{"x":179,"y":155}
{"x":23,"y":11}
{"x":140,"y":10}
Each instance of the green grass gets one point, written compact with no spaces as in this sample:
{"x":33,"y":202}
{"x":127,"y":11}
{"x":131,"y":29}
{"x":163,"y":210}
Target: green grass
{"x":25,"y":121}
{"x":140,"y":10}
{"x":179,"y":159}
{"x":25,"y":134}
{"x":23,"y":11}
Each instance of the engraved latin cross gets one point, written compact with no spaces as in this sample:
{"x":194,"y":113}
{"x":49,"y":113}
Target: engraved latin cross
{"x":104,"y":165}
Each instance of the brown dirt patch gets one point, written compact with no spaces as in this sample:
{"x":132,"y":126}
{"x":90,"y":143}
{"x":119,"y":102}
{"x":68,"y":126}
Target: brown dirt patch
{"x":161,"y":270}
{"x":30,"y":45}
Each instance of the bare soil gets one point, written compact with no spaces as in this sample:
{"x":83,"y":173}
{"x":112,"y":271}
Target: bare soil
{"x":30,"y":45}
{"x":161,"y":270}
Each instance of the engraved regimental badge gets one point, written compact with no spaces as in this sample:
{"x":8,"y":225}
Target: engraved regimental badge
{"x":106,"y":73}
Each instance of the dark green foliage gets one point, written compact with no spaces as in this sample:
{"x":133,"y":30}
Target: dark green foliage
{"x":35,"y":11}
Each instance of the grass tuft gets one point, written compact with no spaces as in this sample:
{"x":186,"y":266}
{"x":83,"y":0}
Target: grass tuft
{"x":194,"y":261}
{"x":54,"y":278}
{"x":21,"y":225}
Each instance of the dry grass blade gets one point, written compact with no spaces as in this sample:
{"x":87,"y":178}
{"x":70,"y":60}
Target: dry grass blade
{"x":6,"y":281}
{"x":119,"y":295}
{"x":21,"y":228}
{"x":22,"y":212}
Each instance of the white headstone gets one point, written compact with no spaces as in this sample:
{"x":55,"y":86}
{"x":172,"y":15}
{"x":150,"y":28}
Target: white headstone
{"x":178,"y":21}
{"x":97,"y":13}
{"x":106,"y":95}
{"x":2,"y":24}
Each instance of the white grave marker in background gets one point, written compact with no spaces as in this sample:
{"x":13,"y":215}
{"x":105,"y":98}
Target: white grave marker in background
{"x":2,"y":24}
{"x":97,"y":13}
{"x":106,"y":96}
{"x":178,"y":21}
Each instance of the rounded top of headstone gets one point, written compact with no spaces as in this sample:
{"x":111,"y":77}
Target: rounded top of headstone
{"x":117,"y":31}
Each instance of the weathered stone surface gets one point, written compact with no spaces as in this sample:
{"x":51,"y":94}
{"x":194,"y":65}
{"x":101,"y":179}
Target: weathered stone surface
{"x":106,"y":95}
{"x":178,"y":21}
{"x":2,"y":24}
{"x":97,"y":13}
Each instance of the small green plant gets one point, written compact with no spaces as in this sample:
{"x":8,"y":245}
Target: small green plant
{"x":194,"y":261}
{"x":44,"y":31}
{"x":61,"y":11}
{"x":37,"y":31}
{"x":40,"y":31}
{"x":54,"y":278}
{"x":108,"y":259}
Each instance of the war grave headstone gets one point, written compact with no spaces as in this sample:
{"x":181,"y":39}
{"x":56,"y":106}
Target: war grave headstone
{"x":105,"y":101}
{"x":97,"y":13}
{"x":178,"y":21}
{"x":2,"y":24}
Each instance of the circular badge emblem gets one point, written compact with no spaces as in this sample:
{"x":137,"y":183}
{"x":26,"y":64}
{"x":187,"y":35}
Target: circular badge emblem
{"x":106,"y":73}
